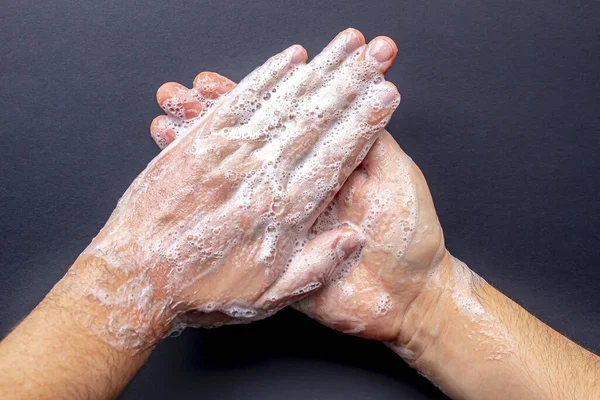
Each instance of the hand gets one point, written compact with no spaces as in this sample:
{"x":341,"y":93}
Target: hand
{"x":386,"y":199}
{"x":215,"y":230}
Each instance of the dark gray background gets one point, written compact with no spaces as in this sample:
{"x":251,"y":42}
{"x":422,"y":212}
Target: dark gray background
{"x":500,"y":108}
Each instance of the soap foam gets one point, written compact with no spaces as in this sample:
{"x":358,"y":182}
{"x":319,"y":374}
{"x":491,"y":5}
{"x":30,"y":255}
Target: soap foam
{"x":273,"y":201}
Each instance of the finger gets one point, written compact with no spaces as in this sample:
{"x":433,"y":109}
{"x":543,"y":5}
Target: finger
{"x":179,"y":101}
{"x":354,"y":90}
{"x":347,"y":143}
{"x":208,"y":86}
{"x":211,"y":85}
{"x":301,"y":84}
{"x":162,"y":132}
{"x":383,"y":51}
{"x":312,"y":268}
{"x":264,"y":77}
{"x":359,"y":75}
{"x":245,"y":99}
{"x":340,"y":48}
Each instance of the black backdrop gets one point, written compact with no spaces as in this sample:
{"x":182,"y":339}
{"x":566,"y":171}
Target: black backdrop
{"x":500,"y":109}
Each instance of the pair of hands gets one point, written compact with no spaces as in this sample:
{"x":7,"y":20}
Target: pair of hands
{"x":245,"y":213}
{"x":285,"y":189}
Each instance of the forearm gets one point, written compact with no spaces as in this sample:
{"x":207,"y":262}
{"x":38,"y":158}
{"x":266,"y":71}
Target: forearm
{"x":57,"y":353}
{"x":475,"y":343}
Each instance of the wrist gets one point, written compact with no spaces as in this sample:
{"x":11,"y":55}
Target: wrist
{"x":445,"y":316}
{"x":454,"y":334}
{"x":57,"y":349}
{"x":421,"y":323}
{"x":111,"y":303}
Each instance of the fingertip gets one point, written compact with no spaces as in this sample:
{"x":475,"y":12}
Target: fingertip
{"x":383,"y":50}
{"x":297,"y":54}
{"x":160,"y":131}
{"x":392,"y":96}
{"x":353,"y":37}
{"x":167,"y":91}
{"x":386,"y":102}
{"x":358,"y":34}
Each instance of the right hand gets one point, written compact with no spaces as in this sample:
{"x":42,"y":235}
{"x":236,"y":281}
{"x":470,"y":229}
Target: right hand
{"x":215,"y":230}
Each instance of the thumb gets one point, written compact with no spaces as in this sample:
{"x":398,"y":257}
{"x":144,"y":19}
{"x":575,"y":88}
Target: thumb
{"x":312,"y":268}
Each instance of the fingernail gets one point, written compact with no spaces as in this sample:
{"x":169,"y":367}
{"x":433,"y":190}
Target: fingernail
{"x":353,"y":41}
{"x":296,"y":53}
{"x":381,"y":50}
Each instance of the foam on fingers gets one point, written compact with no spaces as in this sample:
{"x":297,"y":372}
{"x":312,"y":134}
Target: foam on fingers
{"x":344,"y":44}
{"x":178,"y":101}
{"x":161,"y":131}
{"x":211,"y":85}
{"x":271,"y":72}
